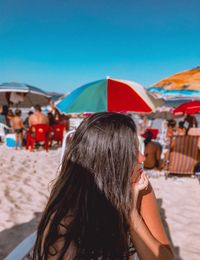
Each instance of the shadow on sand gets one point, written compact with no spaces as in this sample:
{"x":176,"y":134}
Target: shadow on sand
{"x":164,"y":221}
{"x":10,"y":238}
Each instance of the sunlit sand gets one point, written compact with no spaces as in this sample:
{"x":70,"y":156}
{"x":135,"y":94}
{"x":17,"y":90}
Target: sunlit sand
{"x":25,"y":184}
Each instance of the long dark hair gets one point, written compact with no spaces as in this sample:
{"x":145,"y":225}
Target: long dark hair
{"x":92,"y":196}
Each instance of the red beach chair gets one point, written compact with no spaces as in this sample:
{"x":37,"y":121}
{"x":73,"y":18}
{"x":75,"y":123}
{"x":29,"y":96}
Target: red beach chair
{"x":57,"y":132}
{"x":38,"y":133}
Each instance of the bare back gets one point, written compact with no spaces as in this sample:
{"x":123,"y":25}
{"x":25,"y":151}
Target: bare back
{"x":152,"y":155}
{"x":17,"y":122}
{"x":38,"y":118}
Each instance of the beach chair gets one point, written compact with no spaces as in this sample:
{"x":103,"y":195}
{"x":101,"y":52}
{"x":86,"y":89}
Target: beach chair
{"x":37,"y":134}
{"x":23,"y":249}
{"x":183,"y":156}
{"x":57,"y":132}
{"x":3,"y":130}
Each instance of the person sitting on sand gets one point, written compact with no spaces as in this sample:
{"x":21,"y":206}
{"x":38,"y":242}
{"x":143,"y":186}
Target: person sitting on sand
{"x":102,"y":206}
{"x":152,"y":152}
{"x":181,"y":130}
{"x":171,"y":129}
{"x":17,"y":126}
{"x":190,"y":121}
{"x":38,"y":117}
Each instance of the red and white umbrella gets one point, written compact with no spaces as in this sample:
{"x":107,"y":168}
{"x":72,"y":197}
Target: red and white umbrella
{"x":189,"y":108}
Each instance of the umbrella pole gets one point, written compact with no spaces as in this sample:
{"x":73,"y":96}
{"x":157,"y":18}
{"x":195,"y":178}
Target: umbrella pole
{"x":162,"y":136}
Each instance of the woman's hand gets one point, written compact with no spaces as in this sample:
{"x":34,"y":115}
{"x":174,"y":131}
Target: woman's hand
{"x":140,"y":184}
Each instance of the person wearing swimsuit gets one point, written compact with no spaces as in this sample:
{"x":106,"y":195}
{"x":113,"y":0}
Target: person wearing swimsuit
{"x":102,"y":206}
{"x":17,"y":126}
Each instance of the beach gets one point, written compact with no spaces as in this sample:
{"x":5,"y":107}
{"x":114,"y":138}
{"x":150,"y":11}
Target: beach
{"x":26,"y":179}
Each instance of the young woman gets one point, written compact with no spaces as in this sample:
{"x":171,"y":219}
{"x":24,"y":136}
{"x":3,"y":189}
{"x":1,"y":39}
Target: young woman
{"x":181,"y":130}
{"x":152,"y":152}
{"x":102,"y":205}
{"x":171,"y":129}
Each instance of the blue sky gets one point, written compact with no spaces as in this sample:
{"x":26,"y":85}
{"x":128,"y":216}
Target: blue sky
{"x":58,"y":45}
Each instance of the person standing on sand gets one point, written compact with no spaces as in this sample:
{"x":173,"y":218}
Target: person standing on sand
{"x":26,"y":121}
{"x":17,"y":126}
{"x":38,"y":117}
{"x":9,"y":117}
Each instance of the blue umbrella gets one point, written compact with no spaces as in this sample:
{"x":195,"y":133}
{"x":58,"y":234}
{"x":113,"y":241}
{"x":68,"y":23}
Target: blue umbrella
{"x":22,"y":95}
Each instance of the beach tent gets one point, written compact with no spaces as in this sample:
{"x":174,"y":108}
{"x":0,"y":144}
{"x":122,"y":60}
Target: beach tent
{"x":109,"y":95}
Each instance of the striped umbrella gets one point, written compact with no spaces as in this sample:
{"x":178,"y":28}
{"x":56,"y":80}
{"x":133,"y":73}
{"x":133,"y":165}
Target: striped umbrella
{"x":109,"y":95}
{"x":183,"y":85}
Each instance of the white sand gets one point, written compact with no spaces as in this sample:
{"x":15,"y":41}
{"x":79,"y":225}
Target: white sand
{"x":179,"y":200}
{"x":24,"y":189}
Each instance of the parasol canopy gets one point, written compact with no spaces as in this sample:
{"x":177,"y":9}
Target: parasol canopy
{"x":109,"y":95}
{"x":189,"y":108}
{"x":22,"y":95}
{"x":184,"y":85}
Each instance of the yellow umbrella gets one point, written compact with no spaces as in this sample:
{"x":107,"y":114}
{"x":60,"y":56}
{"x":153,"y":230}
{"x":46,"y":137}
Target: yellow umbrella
{"x":184,"y":85}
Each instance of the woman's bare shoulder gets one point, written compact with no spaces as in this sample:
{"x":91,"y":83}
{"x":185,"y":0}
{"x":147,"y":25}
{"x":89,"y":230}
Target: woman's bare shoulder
{"x":150,"y":213}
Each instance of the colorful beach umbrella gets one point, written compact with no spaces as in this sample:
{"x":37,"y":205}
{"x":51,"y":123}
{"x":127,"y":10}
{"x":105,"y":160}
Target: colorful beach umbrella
{"x":111,"y":95}
{"x":183,"y":85}
{"x":189,"y":108}
{"x":22,"y":95}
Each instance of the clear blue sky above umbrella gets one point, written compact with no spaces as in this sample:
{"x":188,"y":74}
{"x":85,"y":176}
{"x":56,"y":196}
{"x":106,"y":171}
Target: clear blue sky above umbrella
{"x":62,"y":44}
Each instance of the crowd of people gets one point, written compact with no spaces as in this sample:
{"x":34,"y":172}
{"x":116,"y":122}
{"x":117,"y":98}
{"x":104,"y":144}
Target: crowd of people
{"x":182,"y":128}
{"x":102,"y":205}
{"x":153,"y":148}
{"x":20,"y":126}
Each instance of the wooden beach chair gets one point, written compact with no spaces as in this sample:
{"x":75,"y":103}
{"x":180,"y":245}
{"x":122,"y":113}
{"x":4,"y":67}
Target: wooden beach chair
{"x":183,"y":156}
